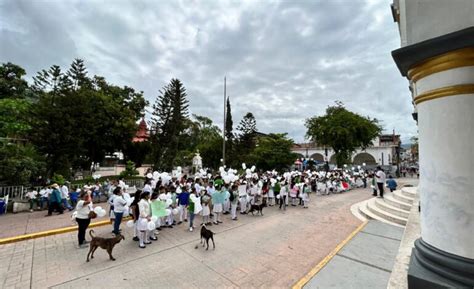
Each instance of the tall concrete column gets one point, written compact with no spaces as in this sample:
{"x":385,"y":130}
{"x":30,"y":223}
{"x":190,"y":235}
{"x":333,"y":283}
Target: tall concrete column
{"x":438,"y":60}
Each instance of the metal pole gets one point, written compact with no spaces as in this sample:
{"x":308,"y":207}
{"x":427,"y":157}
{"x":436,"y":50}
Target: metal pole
{"x":223,"y":127}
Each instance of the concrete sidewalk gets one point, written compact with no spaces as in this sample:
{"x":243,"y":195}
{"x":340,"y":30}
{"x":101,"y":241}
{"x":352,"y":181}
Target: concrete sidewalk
{"x":270,"y":251}
{"x":365,"y":262}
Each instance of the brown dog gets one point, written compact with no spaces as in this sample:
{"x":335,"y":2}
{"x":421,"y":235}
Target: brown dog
{"x":105,"y":243}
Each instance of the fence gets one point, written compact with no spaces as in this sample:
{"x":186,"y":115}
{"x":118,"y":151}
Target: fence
{"x":18,"y":193}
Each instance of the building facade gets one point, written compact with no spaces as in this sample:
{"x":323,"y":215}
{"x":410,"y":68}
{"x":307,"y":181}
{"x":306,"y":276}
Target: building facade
{"x":383,"y":152}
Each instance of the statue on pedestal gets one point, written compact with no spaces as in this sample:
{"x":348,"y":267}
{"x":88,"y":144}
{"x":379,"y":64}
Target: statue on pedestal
{"x":197,"y":162}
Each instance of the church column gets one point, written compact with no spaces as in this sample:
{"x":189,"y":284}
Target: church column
{"x":441,"y":75}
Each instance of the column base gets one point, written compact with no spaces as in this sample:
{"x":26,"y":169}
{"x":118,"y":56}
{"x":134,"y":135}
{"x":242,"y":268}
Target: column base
{"x":431,"y":268}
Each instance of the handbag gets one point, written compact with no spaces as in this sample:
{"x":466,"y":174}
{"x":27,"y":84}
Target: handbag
{"x":92,"y":215}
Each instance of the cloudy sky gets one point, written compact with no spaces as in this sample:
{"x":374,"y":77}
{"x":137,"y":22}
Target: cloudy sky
{"x":284,"y":61}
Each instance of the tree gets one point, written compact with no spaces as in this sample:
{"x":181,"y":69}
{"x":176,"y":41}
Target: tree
{"x":170,"y":119}
{"x":228,"y":122}
{"x":273,"y":152}
{"x":246,"y":141}
{"x":342,"y":130}
{"x":12,"y":84}
{"x":78,"y":120}
{"x":19,"y":163}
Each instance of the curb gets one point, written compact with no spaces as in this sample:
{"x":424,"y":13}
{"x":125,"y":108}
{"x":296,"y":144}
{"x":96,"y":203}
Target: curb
{"x":53,"y":232}
{"x":328,"y":258}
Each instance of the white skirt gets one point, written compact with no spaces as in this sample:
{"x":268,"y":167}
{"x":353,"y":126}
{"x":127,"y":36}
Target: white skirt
{"x":142,"y":224}
{"x":271,"y":194}
{"x":217,"y":208}
{"x":205,"y":210}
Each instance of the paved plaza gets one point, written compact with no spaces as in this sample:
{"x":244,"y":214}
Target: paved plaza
{"x":275,"y":250}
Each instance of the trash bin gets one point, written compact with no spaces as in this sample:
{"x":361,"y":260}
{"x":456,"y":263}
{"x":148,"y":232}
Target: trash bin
{"x":2,"y":207}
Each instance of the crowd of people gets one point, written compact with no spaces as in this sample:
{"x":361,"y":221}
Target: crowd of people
{"x":168,"y":200}
{"x":171,"y":199}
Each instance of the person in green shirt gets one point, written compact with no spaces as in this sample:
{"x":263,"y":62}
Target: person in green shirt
{"x":55,"y":201}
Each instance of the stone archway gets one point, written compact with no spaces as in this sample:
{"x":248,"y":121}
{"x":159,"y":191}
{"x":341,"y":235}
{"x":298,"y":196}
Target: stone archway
{"x":317,"y":157}
{"x":366,"y":158}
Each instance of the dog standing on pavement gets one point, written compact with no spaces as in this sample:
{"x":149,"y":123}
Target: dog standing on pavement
{"x":105,"y":243}
{"x":207,"y":234}
{"x":258,"y":208}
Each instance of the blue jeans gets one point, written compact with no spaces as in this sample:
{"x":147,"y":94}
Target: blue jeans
{"x":118,"y":220}
{"x":66,"y":204}
{"x":191,"y":219}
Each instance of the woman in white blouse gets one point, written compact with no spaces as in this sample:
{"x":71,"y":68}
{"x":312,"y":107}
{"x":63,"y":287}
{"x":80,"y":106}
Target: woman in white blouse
{"x":145,"y":213}
{"x":83,"y":207}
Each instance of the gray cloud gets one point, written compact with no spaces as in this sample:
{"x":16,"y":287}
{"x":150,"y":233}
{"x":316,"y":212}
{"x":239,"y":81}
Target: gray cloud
{"x":284,"y":61}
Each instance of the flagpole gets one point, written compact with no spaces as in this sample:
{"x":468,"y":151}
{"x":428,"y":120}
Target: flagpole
{"x":223,"y":126}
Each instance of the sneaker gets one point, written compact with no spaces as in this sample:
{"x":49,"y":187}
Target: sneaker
{"x":191,"y":229}
{"x":215,"y":223}
{"x":141,"y":247}
{"x":135,"y":239}
{"x":170,"y":226}
{"x":179,"y":223}
{"x":219,"y":222}
{"x":147,"y":243}
{"x":154,"y":238}
{"x":234,"y":219}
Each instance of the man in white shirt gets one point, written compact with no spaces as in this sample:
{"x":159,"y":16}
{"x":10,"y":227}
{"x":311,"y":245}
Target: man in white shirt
{"x":380,"y":179}
{"x":31,"y":195}
{"x":65,"y":196}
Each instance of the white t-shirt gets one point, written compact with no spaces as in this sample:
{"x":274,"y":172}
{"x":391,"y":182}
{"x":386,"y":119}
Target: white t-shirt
{"x":119,"y":204}
{"x":64,"y":192}
{"x":380,"y":177}
{"x":32,"y":195}
{"x":147,"y":188}
{"x":83,"y":211}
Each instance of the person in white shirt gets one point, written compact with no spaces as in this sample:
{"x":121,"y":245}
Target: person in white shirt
{"x":145,"y":212}
{"x":43,"y":197}
{"x":243,"y":198}
{"x":380,"y":179}
{"x":119,"y":208}
{"x":65,"y":196}
{"x":283,"y":195}
{"x":83,"y":207}
{"x":31,"y":195}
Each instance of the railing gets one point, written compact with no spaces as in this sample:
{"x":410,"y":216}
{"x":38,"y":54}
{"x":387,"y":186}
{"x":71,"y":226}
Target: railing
{"x":18,"y":193}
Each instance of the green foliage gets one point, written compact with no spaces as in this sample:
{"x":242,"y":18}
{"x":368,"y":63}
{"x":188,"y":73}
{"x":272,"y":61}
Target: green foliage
{"x":228,"y":122}
{"x":19,"y":163}
{"x":273,"y":152}
{"x":78,"y":120}
{"x":170,"y":113}
{"x":137,"y":152}
{"x":342,"y":130}
{"x":12,"y":84}
{"x":58,"y":179}
{"x":130,"y":170}
{"x":14,"y":117}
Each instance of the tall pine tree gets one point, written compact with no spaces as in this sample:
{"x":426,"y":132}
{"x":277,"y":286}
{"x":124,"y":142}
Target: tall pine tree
{"x":169,"y":121}
{"x":228,"y":122}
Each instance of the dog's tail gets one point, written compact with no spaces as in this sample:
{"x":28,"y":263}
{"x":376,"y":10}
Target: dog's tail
{"x":90,"y":233}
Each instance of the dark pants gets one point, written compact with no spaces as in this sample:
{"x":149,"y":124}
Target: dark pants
{"x":380,"y":186}
{"x":54,"y":206}
{"x":283,"y":201}
{"x":81,"y":233}
{"x":117,"y":221}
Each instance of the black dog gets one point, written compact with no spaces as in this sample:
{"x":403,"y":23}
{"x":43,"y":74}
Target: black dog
{"x":258,"y":208}
{"x":206,"y":235}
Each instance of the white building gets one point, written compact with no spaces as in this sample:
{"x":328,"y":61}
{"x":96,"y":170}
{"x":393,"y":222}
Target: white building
{"x":383,"y":152}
